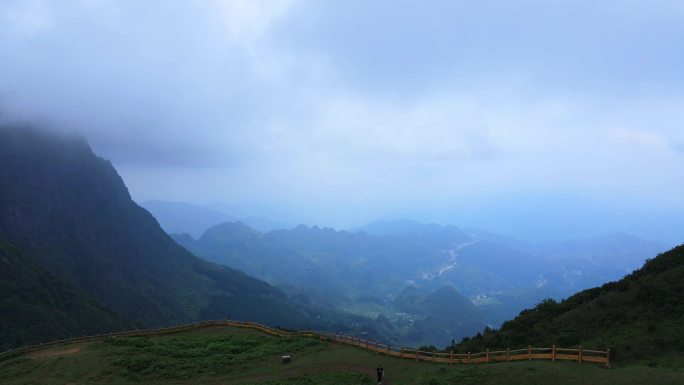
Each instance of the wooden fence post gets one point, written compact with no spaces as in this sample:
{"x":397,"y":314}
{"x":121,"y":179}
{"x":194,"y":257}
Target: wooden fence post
{"x":580,"y":353}
{"x":366,"y":344}
{"x":508,"y":354}
{"x":451,"y":358}
{"x":529,"y":352}
{"x":389,"y":351}
{"x":608,"y":358}
{"x":487,"y":355}
{"x":401,"y":353}
{"x":553,"y":352}
{"x":377,"y":346}
{"x":433,"y":357}
{"x":468,"y":358}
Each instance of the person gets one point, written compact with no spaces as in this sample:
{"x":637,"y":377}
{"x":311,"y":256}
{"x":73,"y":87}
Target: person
{"x":380,"y":372}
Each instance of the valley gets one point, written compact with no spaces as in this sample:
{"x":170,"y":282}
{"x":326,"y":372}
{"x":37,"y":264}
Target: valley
{"x":369,"y":271}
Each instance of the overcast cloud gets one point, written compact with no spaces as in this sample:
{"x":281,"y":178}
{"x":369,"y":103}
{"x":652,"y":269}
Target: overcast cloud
{"x":351,"y":110}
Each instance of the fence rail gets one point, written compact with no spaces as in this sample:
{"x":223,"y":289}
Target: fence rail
{"x":530,"y":353}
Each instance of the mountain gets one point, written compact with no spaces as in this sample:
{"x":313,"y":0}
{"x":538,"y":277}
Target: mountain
{"x":71,"y":212}
{"x":238,"y":245}
{"x":364,"y":270}
{"x":263,"y":216}
{"x":358,"y":263}
{"x":178,"y":217}
{"x":36,"y":306}
{"x":503,"y":240}
{"x":362,"y":273}
{"x":444,"y":314}
{"x":355,"y":263}
{"x":405,"y":226}
{"x":264,"y":225}
{"x":186,"y":218}
{"x":640,"y":317}
{"x":588,"y":262}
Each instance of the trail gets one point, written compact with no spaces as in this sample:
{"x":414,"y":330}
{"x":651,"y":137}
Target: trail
{"x":53,"y":353}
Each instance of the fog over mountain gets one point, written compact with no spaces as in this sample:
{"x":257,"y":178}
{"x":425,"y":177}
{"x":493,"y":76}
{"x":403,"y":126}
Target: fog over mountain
{"x":539,"y":120}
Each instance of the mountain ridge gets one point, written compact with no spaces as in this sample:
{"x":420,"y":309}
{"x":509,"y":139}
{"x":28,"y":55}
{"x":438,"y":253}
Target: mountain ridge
{"x":71,"y":211}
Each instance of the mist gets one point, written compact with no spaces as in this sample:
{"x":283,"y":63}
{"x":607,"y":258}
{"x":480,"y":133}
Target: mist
{"x":534,"y":119}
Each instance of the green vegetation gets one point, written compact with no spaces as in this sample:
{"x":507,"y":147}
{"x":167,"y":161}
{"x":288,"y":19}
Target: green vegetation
{"x":239,"y":356}
{"x":36,"y":306}
{"x":195,"y":354}
{"x":354,"y":272}
{"x":446,"y":313}
{"x":71,"y":213}
{"x":366,"y":273}
{"x":640,"y":317}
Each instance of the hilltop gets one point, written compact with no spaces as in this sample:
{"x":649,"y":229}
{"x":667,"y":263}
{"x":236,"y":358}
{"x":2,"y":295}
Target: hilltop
{"x":640,"y":317}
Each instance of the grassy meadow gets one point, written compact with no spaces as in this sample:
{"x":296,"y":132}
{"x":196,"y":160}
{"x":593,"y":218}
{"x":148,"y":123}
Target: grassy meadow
{"x":222,"y":355}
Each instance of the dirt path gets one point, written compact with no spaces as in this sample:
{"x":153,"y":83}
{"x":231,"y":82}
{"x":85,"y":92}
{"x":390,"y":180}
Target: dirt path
{"x":53,"y":353}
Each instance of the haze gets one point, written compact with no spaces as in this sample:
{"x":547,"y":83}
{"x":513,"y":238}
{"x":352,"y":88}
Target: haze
{"x":538,"y":119}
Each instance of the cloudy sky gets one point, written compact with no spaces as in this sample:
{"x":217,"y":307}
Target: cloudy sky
{"x":346,"y":111}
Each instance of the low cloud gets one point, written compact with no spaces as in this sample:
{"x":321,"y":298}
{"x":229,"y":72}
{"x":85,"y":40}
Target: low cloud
{"x":386,"y":105}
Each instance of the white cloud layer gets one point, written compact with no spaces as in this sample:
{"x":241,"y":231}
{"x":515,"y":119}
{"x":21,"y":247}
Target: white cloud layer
{"x":360,"y":109}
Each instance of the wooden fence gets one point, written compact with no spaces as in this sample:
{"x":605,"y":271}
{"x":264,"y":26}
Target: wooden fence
{"x":530,"y":353}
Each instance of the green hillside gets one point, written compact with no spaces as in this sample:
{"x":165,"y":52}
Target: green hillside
{"x":640,"y":317}
{"x":71,"y":212}
{"x":229,"y":356}
{"x":445,"y":313}
{"x":36,"y":306}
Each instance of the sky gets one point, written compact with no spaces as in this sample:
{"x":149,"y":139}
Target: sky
{"x":500,"y":114}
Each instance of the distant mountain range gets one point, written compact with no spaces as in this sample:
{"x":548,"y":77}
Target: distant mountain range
{"x":186,"y":218}
{"x":365,"y":270}
{"x":569,"y":265}
{"x":179,"y":217}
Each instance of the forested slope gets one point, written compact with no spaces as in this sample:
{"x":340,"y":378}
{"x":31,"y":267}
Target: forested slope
{"x":639,"y":316}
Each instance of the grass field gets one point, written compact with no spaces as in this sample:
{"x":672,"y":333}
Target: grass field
{"x":222,"y":355}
